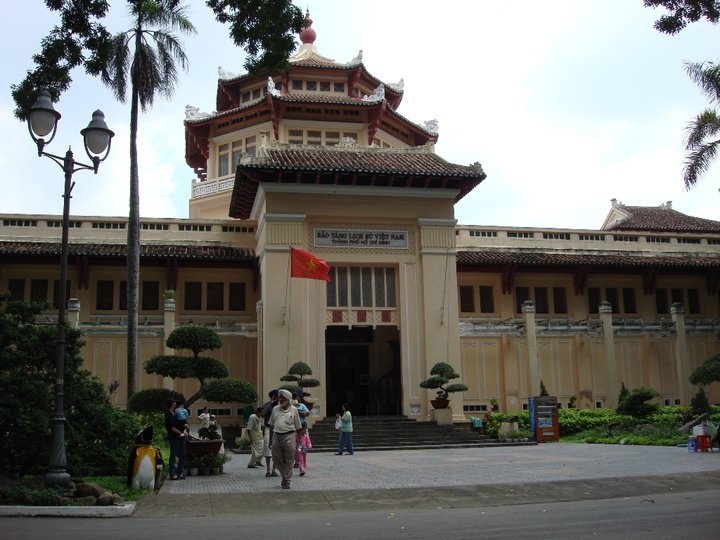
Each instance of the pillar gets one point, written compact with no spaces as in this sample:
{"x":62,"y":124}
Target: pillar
{"x":611,"y":392}
{"x":528,"y":309}
{"x":168,"y":327}
{"x":677,"y":311}
{"x":73,"y":315}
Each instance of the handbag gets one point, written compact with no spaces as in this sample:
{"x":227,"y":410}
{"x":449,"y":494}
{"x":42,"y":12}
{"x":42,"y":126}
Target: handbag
{"x":338,"y":423}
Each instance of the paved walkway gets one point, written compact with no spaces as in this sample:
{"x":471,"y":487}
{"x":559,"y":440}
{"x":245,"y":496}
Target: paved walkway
{"x":456,"y":467}
{"x":458,"y":478}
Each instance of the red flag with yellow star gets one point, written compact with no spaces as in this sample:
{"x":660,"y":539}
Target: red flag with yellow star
{"x":307,"y":265}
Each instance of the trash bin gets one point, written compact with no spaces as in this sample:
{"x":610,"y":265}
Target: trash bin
{"x":692,"y":444}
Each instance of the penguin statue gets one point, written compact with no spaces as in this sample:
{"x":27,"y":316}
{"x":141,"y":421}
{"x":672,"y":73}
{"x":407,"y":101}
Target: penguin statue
{"x":145,"y":463}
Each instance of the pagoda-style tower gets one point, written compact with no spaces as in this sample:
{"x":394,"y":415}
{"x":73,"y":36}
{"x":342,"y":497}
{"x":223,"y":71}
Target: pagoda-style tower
{"x":316,"y":102}
{"x":318,"y":157}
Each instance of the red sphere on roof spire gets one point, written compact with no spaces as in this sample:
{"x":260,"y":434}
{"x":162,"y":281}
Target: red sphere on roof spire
{"x":308,"y":35}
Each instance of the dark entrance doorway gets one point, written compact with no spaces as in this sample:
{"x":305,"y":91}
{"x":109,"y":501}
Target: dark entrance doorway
{"x":363,"y":369}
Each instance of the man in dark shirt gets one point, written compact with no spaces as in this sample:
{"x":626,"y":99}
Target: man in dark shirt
{"x":267,"y":453}
{"x":178,"y":441}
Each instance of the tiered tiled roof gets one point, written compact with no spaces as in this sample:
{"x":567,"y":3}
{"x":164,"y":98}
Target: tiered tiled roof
{"x":660,"y":219}
{"x":409,"y":167}
{"x":599,"y":260}
{"x":194,"y":251}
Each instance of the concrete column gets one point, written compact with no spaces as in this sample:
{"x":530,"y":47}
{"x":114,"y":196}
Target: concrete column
{"x":611,"y":392}
{"x":168,"y":327}
{"x":73,"y":313}
{"x":528,"y":309}
{"x":677,"y":311}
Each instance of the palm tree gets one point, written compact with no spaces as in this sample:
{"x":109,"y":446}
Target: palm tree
{"x":702,"y":142}
{"x":148,"y":55}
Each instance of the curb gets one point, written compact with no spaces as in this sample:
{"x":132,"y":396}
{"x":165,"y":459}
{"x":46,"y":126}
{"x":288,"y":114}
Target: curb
{"x":119,"y":511}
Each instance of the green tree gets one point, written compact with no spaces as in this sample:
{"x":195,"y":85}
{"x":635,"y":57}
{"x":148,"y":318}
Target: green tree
{"x":97,"y":434}
{"x":147,"y":55}
{"x":297,"y":374}
{"x":708,"y":372}
{"x":702,"y":133}
{"x":211,"y":373}
{"x":700,"y":403}
{"x":266,"y":29}
{"x":635,"y":402}
{"x":683,"y":12}
{"x":440,"y":375}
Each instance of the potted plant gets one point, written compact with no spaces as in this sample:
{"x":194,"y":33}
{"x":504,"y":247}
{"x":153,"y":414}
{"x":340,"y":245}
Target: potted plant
{"x":218,"y":462}
{"x":242,"y":443}
{"x":193,"y":465}
{"x":494,"y":405}
{"x":440,"y":374}
{"x":205,"y":463}
{"x":297,"y":376}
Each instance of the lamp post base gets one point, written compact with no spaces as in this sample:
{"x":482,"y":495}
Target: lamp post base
{"x":57,"y":479}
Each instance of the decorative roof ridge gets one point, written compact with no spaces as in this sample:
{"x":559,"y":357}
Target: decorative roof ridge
{"x":604,"y":251}
{"x":193,"y":115}
{"x":349,"y":144}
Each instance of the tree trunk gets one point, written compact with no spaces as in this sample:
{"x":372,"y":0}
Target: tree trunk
{"x":133,"y":245}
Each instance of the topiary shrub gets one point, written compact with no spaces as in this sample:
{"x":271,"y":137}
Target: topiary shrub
{"x":700,"y":403}
{"x":152,"y":400}
{"x":635,"y":403}
{"x":440,"y":374}
{"x":198,"y":339}
{"x":297,"y":374}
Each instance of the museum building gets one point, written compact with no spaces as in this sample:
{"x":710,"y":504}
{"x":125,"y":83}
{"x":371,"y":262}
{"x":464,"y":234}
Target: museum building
{"x":318,"y":157}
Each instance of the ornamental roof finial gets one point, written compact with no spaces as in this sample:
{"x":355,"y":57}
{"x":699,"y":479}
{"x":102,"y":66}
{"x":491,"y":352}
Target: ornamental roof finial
{"x":308,"y":35}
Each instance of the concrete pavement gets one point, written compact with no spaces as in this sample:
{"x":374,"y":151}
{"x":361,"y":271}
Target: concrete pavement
{"x":433,"y":479}
{"x":454,"y":478}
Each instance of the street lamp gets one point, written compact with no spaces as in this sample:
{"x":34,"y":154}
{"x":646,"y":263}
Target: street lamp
{"x":42,"y":121}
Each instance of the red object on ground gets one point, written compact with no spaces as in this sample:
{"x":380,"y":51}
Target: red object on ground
{"x":306,"y":265}
{"x":703,"y":443}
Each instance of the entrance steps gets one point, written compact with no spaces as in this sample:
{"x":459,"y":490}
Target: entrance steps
{"x":400,"y":433}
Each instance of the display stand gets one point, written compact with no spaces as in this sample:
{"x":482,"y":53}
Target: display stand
{"x":544,"y":419}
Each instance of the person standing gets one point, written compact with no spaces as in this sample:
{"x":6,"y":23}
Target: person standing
{"x":254,"y":431}
{"x":284,"y":424}
{"x":346,"y":430}
{"x":204,"y":418}
{"x":178,"y":442}
{"x":267,"y":454}
{"x":304,"y":444}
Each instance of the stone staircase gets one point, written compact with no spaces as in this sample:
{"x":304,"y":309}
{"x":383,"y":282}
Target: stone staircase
{"x":400,"y":433}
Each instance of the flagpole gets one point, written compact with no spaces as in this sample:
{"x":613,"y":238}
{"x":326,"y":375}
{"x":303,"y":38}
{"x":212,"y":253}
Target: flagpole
{"x":286,"y":309}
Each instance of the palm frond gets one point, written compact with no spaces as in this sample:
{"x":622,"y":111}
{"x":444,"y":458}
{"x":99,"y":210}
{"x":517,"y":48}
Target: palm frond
{"x":706,"y":125}
{"x":115,"y":73}
{"x":707,"y":76}
{"x":170,"y":17}
{"x":698,"y":161}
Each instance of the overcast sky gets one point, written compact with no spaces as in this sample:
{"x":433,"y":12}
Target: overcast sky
{"x":566,"y":104}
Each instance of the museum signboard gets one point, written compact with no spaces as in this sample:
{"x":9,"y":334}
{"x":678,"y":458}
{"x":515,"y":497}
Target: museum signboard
{"x":360,"y":238}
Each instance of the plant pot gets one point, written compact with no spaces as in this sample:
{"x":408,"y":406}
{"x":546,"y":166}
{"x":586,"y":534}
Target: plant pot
{"x":204,"y":471}
{"x":216,"y":470}
{"x":440,"y":403}
{"x":193,"y":471}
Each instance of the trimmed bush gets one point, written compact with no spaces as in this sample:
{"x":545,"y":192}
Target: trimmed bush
{"x":152,"y":400}
{"x":635,"y":403}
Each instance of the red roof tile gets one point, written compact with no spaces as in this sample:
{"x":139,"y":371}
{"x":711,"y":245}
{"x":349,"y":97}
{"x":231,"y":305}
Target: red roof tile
{"x":195,"y":251}
{"x":412,"y":161}
{"x":662,"y":219}
{"x":501,"y":258}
